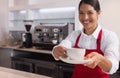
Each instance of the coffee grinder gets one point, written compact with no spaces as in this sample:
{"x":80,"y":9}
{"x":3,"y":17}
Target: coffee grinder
{"x":27,"y":36}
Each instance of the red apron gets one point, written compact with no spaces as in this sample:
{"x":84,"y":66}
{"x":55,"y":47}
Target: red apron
{"x":81,"y":71}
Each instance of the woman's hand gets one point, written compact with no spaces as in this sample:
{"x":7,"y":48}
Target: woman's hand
{"x":59,"y":51}
{"x":95,"y":59}
{"x":98,"y":60}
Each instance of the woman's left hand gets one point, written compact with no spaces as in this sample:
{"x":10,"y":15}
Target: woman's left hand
{"x":95,"y":59}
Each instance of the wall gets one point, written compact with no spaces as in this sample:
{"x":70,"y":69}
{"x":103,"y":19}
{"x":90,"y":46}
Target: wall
{"x":3,"y":19}
{"x":25,"y":4}
{"x":41,"y":11}
{"x":49,"y":3}
{"x":110,"y":16}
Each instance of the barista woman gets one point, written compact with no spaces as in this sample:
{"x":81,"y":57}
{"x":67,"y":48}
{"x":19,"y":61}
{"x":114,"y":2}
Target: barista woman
{"x":101,"y":45}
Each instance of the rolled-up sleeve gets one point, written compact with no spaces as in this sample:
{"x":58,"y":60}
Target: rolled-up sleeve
{"x":112,"y":51}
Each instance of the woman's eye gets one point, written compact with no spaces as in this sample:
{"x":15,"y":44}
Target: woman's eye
{"x":90,"y":13}
{"x":80,"y":12}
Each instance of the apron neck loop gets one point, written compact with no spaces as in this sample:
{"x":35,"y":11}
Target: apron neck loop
{"x":98,"y":42}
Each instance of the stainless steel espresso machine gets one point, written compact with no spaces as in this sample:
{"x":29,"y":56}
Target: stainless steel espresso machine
{"x":47,"y":35}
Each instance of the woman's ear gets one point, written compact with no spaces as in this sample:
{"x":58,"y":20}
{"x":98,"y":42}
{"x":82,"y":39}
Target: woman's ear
{"x":99,"y":12}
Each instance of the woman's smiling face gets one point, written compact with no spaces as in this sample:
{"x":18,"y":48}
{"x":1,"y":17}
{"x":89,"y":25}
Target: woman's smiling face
{"x":88,"y":16}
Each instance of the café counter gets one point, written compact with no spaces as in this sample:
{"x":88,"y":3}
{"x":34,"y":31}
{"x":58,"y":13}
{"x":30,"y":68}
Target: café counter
{"x":33,"y":49}
{"x":35,"y":60}
{"x":12,"y":73}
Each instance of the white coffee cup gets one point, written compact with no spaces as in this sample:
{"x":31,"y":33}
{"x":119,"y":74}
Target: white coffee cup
{"x":76,"y":53}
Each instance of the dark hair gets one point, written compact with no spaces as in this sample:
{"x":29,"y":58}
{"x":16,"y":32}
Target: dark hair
{"x":94,"y":3}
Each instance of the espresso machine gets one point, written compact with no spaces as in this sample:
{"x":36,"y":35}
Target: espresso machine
{"x":27,"y":36}
{"x":47,"y":35}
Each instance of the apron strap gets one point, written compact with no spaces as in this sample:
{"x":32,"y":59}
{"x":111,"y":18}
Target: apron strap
{"x":99,"y":40}
{"x":77,"y":40}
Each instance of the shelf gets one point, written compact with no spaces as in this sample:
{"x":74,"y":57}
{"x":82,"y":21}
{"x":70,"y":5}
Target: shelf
{"x":12,"y":20}
{"x":52,"y":19}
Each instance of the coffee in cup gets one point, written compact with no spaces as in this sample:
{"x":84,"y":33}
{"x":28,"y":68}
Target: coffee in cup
{"x":75,"y":53}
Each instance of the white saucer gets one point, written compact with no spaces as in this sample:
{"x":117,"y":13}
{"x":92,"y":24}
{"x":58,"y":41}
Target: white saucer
{"x":68,"y":60}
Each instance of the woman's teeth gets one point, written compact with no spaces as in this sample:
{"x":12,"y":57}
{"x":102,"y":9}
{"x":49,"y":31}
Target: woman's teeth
{"x":86,"y":22}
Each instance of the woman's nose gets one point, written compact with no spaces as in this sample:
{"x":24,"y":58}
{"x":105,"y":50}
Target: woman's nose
{"x":85,"y":16}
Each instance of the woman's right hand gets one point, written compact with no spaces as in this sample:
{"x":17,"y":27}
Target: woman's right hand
{"x":59,"y":51}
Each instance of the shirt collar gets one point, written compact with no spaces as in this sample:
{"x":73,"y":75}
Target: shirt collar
{"x":95,"y":33}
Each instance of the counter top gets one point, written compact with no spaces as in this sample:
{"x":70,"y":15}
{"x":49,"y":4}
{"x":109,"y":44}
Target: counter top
{"x":33,"y":49}
{"x":11,"y":73}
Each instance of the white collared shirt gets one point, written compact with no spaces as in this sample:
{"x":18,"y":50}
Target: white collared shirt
{"x":109,"y":44}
